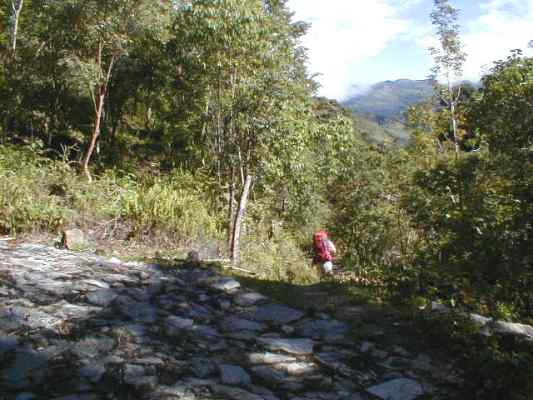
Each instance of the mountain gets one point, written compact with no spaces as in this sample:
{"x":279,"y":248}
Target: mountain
{"x":386,"y":102}
{"x":367,"y":129}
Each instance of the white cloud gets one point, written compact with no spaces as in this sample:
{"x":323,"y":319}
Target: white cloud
{"x":345,"y":32}
{"x":504,"y":25}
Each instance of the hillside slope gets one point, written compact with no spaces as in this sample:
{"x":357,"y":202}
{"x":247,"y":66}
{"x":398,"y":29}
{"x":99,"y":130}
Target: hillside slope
{"x":387,"y":101}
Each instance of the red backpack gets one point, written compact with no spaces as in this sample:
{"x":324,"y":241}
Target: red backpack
{"x":320,"y":244}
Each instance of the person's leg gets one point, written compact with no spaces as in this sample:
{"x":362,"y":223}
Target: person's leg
{"x":328,"y":268}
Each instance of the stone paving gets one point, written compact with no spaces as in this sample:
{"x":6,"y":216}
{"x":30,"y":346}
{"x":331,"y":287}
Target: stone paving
{"x":75,"y":326}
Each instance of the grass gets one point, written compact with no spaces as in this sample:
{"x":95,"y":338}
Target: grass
{"x":39,"y":194}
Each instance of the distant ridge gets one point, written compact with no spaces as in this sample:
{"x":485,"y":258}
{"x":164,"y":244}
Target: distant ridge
{"x":386,"y":102}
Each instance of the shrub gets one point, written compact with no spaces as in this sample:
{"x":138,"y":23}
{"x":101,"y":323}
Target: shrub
{"x":38,"y":193}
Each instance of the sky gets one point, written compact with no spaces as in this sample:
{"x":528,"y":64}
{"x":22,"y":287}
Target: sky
{"x":353,"y":44}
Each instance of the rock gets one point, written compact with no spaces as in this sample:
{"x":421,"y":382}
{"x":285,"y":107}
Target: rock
{"x":205,"y":332}
{"x":276,"y":314}
{"x":381,"y":354}
{"x":16,"y":317}
{"x":93,"y":347}
{"x":226,"y":284}
{"x":397,"y":389}
{"x":93,"y":372}
{"x":335,"y":362}
{"x":439,"y":307}
{"x":202,"y":368}
{"x":178,"y":391}
{"x":233,"y":324}
{"x":292,"y":346}
{"x":479,"y":320}
{"x":288,"y":330}
{"x":508,"y":328}
{"x":297,"y":368}
{"x":263,"y":392}
{"x":101,"y":297}
{"x":249,"y":299}
{"x":114,"y":260}
{"x":178,"y":323}
{"x":83,"y":327}
{"x":234,"y":393}
{"x":365,"y":347}
{"x":270,"y":375}
{"x":137,"y":311}
{"x":233,"y":375}
{"x":269,"y":358}
{"x":25,"y":396}
{"x":322,"y":329}
{"x":73,"y":239}
{"x":400,"y":351}
{"x":29,"y":367}
{"x":422,"y":362}
{"x":98,"y":284}
{"x":7,"y":343}
{"x":133,"y":374}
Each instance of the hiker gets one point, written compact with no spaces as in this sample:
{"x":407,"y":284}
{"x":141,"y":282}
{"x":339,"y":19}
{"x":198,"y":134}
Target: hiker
{"x":324,"y":252}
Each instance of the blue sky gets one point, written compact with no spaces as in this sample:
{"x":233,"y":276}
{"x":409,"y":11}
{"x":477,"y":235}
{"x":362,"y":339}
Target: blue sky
{"x":355,"y":43}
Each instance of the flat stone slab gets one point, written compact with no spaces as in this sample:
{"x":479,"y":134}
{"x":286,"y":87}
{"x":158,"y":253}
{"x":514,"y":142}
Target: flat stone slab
{"x":226,"y":284}
{"x":291,"y":346}
{"x":275,"y":313}
{"x":397,"y":389}
{"x":269,"y":358}
{"x":75,"y":326}
{"x":233,"y":375}
{"x":249,"y":299}
{"x":322,"y":328}
{"x":508,"y":328}
{"x":234,"y":393}
{"x":233,"y":324}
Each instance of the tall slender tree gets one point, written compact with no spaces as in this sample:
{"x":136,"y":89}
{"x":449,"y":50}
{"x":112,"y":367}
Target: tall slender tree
{"x":449,"y":58}
{"x":100,"y":33}
{"x":243,"y":83}
{"x":16,"y":8}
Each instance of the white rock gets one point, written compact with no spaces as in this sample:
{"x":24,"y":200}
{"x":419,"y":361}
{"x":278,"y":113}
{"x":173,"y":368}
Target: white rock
{"x":508,"y":328}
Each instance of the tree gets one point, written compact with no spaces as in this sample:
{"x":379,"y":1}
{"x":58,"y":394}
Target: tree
{"x":100,"y":34}
{"x":504,"y":113}
{"x":16,"y":8}
{"x":242,"y":90}
{"x":449,"y":58}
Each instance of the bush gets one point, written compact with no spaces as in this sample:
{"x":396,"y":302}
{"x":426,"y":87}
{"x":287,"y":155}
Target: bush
{"x":494,"y":367}
{"x":475,"y":214}
{"x":172,"y":204}
{"x":38,"y":193}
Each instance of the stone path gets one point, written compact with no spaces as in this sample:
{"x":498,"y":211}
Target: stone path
{"x":74,"y":326}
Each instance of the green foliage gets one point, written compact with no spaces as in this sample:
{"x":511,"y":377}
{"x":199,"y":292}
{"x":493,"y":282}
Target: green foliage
{"x":41,"y":194}
{"x":504,"y":113}
{"x":26,"y":201}
{"x":172,"y":204}
{"x":495,"y":367}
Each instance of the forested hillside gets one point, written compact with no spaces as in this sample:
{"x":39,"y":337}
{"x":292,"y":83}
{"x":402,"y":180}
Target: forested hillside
{"x":165,"y":126}
{"x":387,"y":101}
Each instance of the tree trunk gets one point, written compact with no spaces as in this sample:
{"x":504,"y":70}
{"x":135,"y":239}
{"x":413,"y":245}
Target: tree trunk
{"x":454,"y":127}
{"x":231,"y":208}
{"x":95,"y":134}
{"x":5,"y":127}
{"x":17,"y":8}
{"x":239,"y":217}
